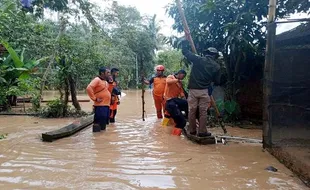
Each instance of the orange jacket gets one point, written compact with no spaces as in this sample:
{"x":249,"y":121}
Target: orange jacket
{"x":114,"y":98}
{"x":98,"y":89}
{"x":173,"y":88}
{"x":159,"y":85}
{"x":111,"y":86}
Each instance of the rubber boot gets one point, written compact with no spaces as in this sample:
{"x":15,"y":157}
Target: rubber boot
{"x":206,"y":134}
{"x":176,"y":131}
{"x":165,"y":121}
{"x":193,"y":133}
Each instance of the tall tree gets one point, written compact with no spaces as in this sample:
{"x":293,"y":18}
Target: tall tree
{"x":235,"y":28}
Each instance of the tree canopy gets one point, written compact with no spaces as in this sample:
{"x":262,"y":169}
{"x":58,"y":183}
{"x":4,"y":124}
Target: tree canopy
{"x":235,"y":28}
{"x":78,"y":43}
{"x":65,"y":53}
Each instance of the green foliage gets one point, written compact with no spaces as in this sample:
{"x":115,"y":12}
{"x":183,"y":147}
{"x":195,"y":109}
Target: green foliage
{"x":133,"y":38}
{"x":58,"y":108}
{"x":3,"y":97}
{"x":171,"y":59}
{"x":117,"y":37}
{"x":30,"y":87}
{"x":173,"y":62}
{"x":233,"y":27}
{"x":38,"y":6}
{"x":229,"y":109}
{"x":54,"y":109}
{"x":3,"y":136}
{"x":126,"y":34}
{"x":21,"y":30}
{"x":24,"y":87}
{"x":16,"y":77}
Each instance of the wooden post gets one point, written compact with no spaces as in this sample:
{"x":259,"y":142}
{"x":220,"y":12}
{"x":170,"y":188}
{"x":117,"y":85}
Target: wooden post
{"x":142,"y":87}
{"x":268,"y":74}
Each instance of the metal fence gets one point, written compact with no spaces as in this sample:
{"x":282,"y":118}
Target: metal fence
{"x":289,"y":102}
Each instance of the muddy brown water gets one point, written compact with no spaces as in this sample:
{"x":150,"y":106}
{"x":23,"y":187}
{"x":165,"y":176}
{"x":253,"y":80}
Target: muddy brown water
{"x":131,"y":154}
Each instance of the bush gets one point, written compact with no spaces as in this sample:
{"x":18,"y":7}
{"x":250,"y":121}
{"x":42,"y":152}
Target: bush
{"x":54,"y":109}
{"x":57,"y":108}
{"x":230,"y":110}
{"x":3,"y":97}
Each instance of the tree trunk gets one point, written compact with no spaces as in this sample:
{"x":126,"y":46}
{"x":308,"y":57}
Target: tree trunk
{"x":75,"y":101}
{"x":228,"y":89}
{"x":66,"y":100}
{"x":236,"y":76}
{"x":228,"y":70}
{"x":12,"y":100}
{"x":61,"y":93}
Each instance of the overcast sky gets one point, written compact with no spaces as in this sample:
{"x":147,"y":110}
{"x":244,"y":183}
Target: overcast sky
{"x":152,"y":7}
{"x":149,"y":7}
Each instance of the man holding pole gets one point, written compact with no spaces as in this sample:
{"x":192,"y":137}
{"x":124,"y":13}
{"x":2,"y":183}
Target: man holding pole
{"x":204,"y":71}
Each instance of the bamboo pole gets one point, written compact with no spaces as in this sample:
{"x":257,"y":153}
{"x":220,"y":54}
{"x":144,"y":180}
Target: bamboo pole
{"x":268,"y":74}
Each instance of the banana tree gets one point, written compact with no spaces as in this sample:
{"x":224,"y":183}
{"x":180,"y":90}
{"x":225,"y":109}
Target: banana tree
{"x":14,"y":69}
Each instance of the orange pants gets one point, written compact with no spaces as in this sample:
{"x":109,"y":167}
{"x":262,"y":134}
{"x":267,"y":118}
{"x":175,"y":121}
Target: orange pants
{"x":159,"y":105}
{"x":113,"y":109}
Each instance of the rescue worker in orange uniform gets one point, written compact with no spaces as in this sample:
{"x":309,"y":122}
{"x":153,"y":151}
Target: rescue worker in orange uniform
{"x":159,"y":83}
{"x":115,"y":93}
{"x":98,"y":91}
{"x":175,"y":99}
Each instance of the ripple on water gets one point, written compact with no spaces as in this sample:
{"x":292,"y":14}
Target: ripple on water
{"x":131,"y":154}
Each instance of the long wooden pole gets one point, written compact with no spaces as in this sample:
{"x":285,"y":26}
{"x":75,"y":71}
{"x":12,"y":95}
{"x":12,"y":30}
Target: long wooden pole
{"x":190,"y":39}
{"x":142,"y":86}
{"x":268,"y":74}
{"x":185,"y":26}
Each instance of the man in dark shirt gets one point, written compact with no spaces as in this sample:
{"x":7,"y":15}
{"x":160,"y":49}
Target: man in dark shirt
{"x":204,"y":71}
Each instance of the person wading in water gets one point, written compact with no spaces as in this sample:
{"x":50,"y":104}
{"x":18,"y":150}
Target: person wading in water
{"x":175,"y":101}
{"x":115,"y":92}
{"x":98,"y":91}
{"x":159,"y":83}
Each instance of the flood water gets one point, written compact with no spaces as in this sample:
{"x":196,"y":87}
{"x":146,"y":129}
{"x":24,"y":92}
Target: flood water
{"x":131,"y":154}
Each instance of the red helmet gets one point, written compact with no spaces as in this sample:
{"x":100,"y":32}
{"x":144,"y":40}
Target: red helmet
{"x":160,"y":68}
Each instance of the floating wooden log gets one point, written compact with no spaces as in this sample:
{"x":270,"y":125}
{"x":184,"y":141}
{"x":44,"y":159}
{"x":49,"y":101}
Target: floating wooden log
{"x":67,"y":130}
{"x":28,"y":100}
{"x":199,"y":140}
{"x":18,"y":114}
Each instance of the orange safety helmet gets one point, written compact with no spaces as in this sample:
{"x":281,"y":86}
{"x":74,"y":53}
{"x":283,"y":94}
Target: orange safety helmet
{"x":160,"y":68}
